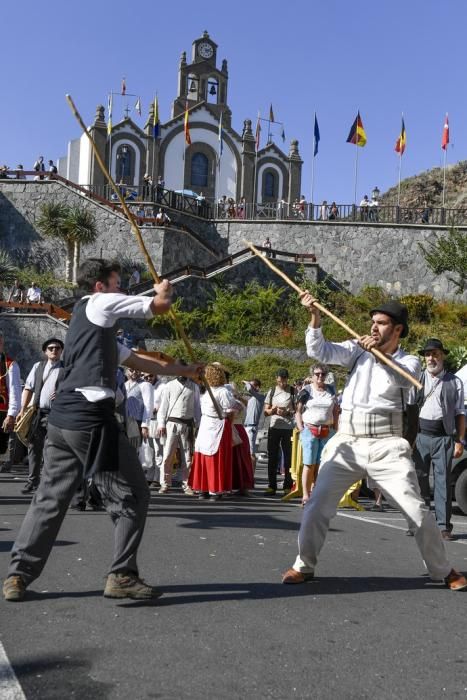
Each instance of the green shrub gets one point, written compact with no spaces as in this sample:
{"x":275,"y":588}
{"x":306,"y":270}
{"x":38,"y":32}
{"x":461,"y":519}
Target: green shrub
{"x":420,"y":306}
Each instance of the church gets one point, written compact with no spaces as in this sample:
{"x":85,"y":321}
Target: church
{"x":264,"y":174}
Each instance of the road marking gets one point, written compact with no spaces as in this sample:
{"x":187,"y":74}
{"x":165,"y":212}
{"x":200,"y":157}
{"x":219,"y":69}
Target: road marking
{"x":370,"y":520}
{"x":393,"y":527}
{"x":10,"y":688}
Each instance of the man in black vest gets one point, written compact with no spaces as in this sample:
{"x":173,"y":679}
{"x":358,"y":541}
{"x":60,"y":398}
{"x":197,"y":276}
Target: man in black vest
{"x":85,"y":438}
{"x":40,"y":386}
{"x":441,"y":431}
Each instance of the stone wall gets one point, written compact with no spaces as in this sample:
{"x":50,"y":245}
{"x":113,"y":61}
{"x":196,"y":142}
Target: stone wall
{"x":353,"y":254}
{"x":19,"y":211}
{"x":24,"y":335}
{"x":236,"y":352}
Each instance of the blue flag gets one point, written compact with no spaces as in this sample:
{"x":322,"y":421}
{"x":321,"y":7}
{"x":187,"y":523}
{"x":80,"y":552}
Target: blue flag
{"x":316,"y":137}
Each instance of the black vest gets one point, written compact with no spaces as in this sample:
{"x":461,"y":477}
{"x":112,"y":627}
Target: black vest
{"x":90,"y":357}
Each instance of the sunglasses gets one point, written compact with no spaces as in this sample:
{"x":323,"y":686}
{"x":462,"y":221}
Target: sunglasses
{"x":54,"y":347}
{"x":319,"y":374}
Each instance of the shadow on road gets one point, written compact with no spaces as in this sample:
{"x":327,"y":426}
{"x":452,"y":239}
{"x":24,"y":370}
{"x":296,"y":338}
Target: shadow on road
{"x":212,"y":592}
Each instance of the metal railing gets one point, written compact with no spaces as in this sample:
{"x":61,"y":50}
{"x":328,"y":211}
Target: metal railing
{"x":229,"y":261}
{"x":380,"y":214}
{"x":151,"y":197}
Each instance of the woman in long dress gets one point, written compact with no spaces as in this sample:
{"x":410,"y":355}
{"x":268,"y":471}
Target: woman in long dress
{"x":211,"y":472}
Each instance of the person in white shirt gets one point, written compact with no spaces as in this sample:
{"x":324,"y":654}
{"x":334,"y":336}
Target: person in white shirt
{"x":40,"y":387}
{"x":211,"y":473}
{"x":369,"y":441}
{"x":84,"y":436}
{"x":462,"y":374}
{"x":33,"y":295}
{"x":441,"y":430}
{"x":10,"y":402}
{"x":315,"y":416}
{"x":177,"y":417}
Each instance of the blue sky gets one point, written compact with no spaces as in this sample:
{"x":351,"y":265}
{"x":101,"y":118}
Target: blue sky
{"x":331,"y":56}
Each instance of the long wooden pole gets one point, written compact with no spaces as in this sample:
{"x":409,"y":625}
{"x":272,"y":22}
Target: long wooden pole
{"x":374,"y":351}
{"x":139,"y":238}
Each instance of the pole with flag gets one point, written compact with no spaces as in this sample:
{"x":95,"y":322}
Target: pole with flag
{"x":219,"y":158}
{"x":357,"y":136}
{"x":257,"y":142}
{"x":109,"y":129}
{"x":187,"y":140}
{"x":155,"y":129}
{"x":270,"y":121}
{"x":444,"y":146}
{"x":316,"y":139}
{"x":400,"y":148}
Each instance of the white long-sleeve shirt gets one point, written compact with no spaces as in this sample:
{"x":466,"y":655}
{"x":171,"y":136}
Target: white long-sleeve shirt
{"x":104,"y":310}
{"x":13,"y":381}
{"x":372,"y":387}
{"x":179,"y":400}
{"x":211,"y":427}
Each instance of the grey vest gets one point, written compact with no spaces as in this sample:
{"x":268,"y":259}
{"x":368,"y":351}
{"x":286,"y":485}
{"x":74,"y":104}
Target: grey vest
{"x":449,"y":387}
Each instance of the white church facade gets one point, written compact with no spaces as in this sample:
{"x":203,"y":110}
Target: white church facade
{"x":264,"y":175}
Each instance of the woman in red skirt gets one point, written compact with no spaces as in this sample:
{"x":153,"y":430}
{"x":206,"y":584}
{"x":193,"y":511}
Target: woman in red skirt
{"x":211,"y":471}
{"x":242,"y":467}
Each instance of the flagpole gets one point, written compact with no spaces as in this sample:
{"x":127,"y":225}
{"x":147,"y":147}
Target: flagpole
{"x":254,"y":184}
{"x":444,"y":175}
{"x":313,"y":168}
{"x":356,"y":174}
{"x":110,"y":133}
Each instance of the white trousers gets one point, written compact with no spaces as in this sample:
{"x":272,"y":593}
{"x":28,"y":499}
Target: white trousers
{"x":347,"y":459}
{"x":177,"y":436}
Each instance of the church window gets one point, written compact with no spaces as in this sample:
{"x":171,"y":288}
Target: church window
{"x":125,"y":167}
{"x":269,"y":185}
{"x":199,"y":170}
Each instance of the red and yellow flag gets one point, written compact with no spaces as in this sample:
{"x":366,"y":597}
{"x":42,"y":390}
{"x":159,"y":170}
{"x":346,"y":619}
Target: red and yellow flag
{"x":401,"y":141}
{"x":357,"y":133}
{"x":187,"y":127}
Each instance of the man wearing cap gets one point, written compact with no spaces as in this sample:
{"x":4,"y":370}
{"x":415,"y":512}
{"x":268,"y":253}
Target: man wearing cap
{"x":40,"y":387}
{"x":441,"y":430}
{"x":279,"y":404}
{"x":369,"y":440}
{"x":10,"y":400}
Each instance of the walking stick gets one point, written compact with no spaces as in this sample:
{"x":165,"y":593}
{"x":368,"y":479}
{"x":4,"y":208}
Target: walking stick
{"x":139,"y":238}
{"x":374,"y":351}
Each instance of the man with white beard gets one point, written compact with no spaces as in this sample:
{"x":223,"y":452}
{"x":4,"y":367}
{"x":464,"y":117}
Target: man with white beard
{"x":441,"y":431}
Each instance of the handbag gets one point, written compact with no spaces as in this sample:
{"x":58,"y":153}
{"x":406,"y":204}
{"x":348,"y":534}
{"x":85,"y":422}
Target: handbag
{"x":27,"y":424}
{"x":319,"y":431}
{"x":146,"y":455}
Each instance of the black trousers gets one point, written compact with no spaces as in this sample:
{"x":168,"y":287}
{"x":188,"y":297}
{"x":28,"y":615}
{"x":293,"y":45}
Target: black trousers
{"x":36,"y":450}
{"x":277,"y":438}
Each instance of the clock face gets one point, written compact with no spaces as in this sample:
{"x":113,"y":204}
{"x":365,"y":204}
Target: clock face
{"x":205,"y":50}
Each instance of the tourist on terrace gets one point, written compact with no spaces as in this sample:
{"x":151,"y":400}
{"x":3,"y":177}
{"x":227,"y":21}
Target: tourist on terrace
{"x":364,"y":207}
{"x":33,"y":295}
{"x":162,"y":219}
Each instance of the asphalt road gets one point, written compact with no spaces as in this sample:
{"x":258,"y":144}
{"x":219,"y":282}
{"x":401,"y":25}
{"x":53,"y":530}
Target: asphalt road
{"x":371,"y":625}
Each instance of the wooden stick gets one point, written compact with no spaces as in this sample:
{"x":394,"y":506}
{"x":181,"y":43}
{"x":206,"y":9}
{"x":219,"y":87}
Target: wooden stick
{"x":139,"y":238}
{"x":374,"y":351}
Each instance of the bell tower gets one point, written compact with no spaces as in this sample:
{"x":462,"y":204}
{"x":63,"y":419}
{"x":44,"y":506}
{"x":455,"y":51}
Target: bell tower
{"x":201,"y":80}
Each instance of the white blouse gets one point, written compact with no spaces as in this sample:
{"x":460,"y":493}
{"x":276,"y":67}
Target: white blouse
{"x":211,"y":427}
{"x":319,"y":408}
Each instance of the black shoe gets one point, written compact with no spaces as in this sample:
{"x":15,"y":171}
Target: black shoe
{"x":204,"y":495}
{"x":29,"y":488}
{"x":215,"y":497}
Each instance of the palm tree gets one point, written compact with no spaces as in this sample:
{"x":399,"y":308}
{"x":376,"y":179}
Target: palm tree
{"x":75,"y":226}
{"x":52,"y":223}
{"x":8,"y":270}
{"x":82,"y":229}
